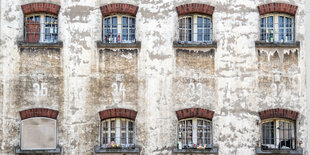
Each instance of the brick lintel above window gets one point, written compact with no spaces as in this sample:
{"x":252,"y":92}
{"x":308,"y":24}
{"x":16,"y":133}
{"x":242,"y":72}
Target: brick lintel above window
{"x":195,"y":8}
{"x":40,"y":7}
{"x":119,"y":8}
{"x":277,"y":8}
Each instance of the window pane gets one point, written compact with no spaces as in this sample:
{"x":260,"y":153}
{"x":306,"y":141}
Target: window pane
{"x":114,"y":22}
{"x":182,"y":23}
{"x":268,"y":133}
{"x":124,"y":138}
{"x":285,"y":135}
{"x":288,"y":22}
{"x":37,"y":18}
{"x":105,"y":132}
{"x":125,"y":29}
{"x":270,"y":21}
{"x":281,"y":35}
{"x":189,"y":35}
{"x":125,"y":22}
{"x":281,"y":21}
{"x":123,"y":125}
{"x":112,"y":137}
{"x":189,"y":132}
{"x":189,"y":23}
{"x":263,"y":22}
{"x":207,"y":35}
{"x":113,"y":125}
{"x":131,"y":138}
{"x":199,"y":22}
{"x":200,"y":136}
{"x":130,"y":126}
{"x":207,"y":23}
{"x":199,"y":35}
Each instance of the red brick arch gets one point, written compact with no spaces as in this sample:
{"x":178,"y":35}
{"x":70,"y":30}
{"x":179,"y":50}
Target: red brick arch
{"x":40,"y":7}
{"x":195,"y":8}
{"x":195,"y":112}
{"x":38,"y":112}
{"x":277,"y":8}
{"x":119,"y":8}
{"x":278,"y":113}
{"x":117,"y":113}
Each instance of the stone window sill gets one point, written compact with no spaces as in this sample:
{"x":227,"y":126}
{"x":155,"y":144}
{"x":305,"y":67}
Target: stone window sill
{"x":52,"y":151}
{"x":177,"y":44}
{"x":261,"y":44}
{"x":101,"y":44}
{"x":22,"y":44}
{"x":260,"y":151}
{"x":213,"y":150}
{"x":99,"y":150}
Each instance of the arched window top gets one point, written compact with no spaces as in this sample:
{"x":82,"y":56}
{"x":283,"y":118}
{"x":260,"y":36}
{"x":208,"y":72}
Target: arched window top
{"x":33,"y":8}
{"x":278,"y":113}
{"x":195,"y":113}
{"x":38,"y":112}
{"x":117,"y":113}
{"x":195,"y":8}
{"x":119,"y":8}
{"x":277,"y":8}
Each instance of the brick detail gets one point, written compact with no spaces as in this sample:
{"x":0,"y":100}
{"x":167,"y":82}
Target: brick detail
{"x":195,"y":112}
{"x":278,"y":113}
{"x":119,"y":8}
{"x":40,"y":7}
{"x":277,"y":8}
{"x":195,"y":8}
{"x":117,"y":113}
{"x":38,"y":112}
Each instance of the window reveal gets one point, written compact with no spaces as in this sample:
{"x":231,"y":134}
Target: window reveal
{"x":118,"y":133}
{"x":277,"y":28}
{"x":278,"y":134}
{"x":119,"y":29}
{"x":194,"y":133}
{"x":195,"y":29}
{"x":41,"y":29}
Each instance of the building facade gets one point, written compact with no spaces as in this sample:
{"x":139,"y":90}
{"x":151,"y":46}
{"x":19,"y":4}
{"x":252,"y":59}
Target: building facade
{"x":153,"y":77}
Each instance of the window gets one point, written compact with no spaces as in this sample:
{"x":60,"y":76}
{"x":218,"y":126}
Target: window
{"x":277,"y":28}
{"x":194,"y":133}
{"x":278,"y":134}
{"x":118,"y":133}
{"x":119,"y":29}
{"x":38,"y":131}
{"x":195,"y":28}
{"x":41,"y":28}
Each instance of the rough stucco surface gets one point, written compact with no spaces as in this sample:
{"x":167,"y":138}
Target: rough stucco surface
{"x":235,"y":80}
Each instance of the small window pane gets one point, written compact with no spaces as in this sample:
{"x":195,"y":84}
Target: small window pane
{"x":113,"y":125}
{"x":130,"y":126}
{"x":281,"y":21}
{"x":199,"y":34}
{"x":114,"y":22}
{"x":199,"y":22}
{"x":270,"y":21}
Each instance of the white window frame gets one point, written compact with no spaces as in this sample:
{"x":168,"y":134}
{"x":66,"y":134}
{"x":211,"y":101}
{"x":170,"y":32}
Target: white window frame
{"x":278,"y":141}
{"x":42,"y":27}
{"x":118,"y":133}
{"x":119,"y":30}
{"x":194,"y":129}
{"x":276,"y":29}
{"x":183,"y":38}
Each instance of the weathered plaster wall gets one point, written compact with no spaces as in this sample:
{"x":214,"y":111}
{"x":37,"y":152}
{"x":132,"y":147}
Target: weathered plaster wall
{"x":234,"y":79}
